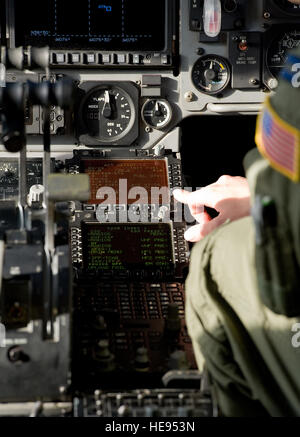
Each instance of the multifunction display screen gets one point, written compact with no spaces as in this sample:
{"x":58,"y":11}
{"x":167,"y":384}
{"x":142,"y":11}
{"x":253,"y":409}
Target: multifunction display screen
{"x":127,"y":246}
{"x":136,"y":25}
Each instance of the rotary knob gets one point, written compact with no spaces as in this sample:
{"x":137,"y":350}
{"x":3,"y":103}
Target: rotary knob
{"x":36,"y":195}
{"x":141,"y":363}
{"x":178,"y":360}
{"x":106,"y":360}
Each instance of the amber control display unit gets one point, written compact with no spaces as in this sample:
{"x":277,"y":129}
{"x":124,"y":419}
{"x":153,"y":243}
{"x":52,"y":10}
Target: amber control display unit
{"x":98,"y":33}
{"x":147,"y":174}
{"x":135,"y":178}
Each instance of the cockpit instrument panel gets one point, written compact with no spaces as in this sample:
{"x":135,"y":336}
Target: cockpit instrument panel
{"x":118,"y":259}
{"x":93,"y":33}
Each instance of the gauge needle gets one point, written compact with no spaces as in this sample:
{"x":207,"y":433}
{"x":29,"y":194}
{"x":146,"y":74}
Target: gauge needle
{"x":157,"y":109}
{"x":106,"y":112}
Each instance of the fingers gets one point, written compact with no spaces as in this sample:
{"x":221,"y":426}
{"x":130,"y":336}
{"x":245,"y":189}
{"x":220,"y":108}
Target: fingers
{"x":193,"y":234}
{"x":225,"y":179}
{"x":205,"y":196}
{"x":209,"y":227}
{"x":229,"y":196}
{"x":197,"y":232}
{"x":182,"y":196}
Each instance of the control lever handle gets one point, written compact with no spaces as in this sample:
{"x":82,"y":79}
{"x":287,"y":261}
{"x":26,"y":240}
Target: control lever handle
{"x":12,"y":99}
{"x":25,"y":57}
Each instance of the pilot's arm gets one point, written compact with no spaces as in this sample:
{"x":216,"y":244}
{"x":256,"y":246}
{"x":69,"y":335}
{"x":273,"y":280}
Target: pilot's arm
{"x":242,"y":291}
{"x":246,"y":347}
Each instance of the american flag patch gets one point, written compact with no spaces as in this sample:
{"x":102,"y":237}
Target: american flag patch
{"x":278,"y":142}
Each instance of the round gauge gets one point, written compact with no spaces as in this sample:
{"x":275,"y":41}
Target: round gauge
{"x":288,"y":7}
{"x":108,"y":113}
{"x":157,"y":113}
{"x":277,"y":52}
{"x":211,"y":74}
{"x":8,"y":174}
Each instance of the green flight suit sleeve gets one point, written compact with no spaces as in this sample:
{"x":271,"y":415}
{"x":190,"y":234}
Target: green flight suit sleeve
{"x":246,"y":347}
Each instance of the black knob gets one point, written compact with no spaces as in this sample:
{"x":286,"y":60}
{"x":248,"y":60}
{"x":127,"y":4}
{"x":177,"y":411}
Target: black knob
{"x":230,"y":6}
{"x":17,"y":355}
{"x":13,"y":141}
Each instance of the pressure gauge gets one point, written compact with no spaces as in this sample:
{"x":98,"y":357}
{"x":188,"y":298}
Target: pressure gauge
{"x":211,"y":74}
{"x":157,"y":113}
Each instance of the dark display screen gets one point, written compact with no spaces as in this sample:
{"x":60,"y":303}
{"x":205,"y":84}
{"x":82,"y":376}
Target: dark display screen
{"x":137,"y":25}
{"x":137,"y":173}
{"x":127,"y":246}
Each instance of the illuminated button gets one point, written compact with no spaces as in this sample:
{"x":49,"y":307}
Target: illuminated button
{"x":154,"y":334}
{"x":164,"y":59}
{"x":91,"y":59}
{"x":106,"y":59}
{"x":177,"y":299}
{"x":243,"y":45}
{"x":75,"y":58}
{"x":121,"y":59}
{"x":120,"y":334}
{"x":136,"y":59}
{"x":137,"y":334}
{"x":60,"y":58}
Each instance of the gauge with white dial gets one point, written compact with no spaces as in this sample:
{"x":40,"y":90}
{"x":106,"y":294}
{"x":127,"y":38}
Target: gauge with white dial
{"x":157,"y":113}
{"x":108,"y":113}
{"x":211,"y":74}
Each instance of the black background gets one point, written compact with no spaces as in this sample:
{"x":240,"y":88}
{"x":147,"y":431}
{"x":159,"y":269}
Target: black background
{"x":215,"y":145}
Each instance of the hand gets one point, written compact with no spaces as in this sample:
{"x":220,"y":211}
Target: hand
{"x":230,"y":196}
